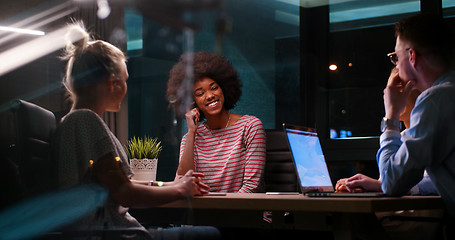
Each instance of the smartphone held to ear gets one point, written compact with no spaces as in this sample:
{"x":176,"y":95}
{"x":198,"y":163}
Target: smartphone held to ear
{"x":195,"y":118}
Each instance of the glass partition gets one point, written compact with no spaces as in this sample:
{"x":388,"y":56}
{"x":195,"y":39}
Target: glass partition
{"x":262,"y":44}
{"x":268,"y":43}
{"x":263,"y":40}
{"x":448,"y":8}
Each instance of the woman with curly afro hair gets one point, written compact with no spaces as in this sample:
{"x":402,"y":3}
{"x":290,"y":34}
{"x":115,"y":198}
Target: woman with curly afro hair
{"x":227,"y":148}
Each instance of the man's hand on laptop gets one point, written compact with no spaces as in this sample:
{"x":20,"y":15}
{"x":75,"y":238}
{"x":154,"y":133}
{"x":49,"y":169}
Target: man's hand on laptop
{"x":341,"y":187}
{"x":358,"y":183}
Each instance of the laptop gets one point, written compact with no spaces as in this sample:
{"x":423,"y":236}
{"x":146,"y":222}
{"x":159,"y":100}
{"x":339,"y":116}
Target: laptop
{"x":310,"y":164}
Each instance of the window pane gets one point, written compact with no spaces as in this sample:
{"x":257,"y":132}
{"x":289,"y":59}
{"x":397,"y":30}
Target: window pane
{"x":361,"y":34}
{"x":448,"y":8}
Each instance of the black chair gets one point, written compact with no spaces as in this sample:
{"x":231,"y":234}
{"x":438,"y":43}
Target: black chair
{"x":280,"y":175}
{"x":30,"y":160}
{"x":30,"y":149}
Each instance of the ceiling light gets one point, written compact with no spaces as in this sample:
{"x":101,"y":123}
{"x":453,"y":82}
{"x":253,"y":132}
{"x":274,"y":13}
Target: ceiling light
{"x":21,"y":30}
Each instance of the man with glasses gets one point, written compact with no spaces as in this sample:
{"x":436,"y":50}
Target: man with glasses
{"x":423,"y":56}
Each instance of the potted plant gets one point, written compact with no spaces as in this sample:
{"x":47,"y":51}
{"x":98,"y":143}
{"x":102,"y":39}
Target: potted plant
{"x":143,"y":154}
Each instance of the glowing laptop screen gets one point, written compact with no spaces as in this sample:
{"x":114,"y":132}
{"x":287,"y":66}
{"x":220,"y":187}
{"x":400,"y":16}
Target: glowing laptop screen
{"x":308,"y":157}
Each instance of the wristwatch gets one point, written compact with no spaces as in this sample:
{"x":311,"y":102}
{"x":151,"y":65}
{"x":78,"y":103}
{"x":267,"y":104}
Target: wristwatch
{"x":385,"y":123}
{"x":158,"y":183}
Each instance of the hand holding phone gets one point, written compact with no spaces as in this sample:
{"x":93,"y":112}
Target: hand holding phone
{"x":192,"y":118}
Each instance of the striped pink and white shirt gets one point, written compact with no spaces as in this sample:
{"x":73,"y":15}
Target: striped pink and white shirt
{"x":233,"y":158}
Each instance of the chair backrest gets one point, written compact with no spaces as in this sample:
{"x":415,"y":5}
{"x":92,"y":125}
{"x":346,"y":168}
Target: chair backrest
{"x":34,"y":127}
{"x":32,"y":157}
{"x":279,"y":174}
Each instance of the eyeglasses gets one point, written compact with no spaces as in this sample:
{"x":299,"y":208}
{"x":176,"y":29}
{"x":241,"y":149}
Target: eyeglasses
{"x":393,"y":56}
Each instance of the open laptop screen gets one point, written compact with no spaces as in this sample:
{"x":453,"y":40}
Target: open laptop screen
{"x":308,"y":158}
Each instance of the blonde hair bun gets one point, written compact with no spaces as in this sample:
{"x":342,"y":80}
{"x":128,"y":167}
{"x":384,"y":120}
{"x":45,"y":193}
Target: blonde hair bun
{"x":77,"y":40}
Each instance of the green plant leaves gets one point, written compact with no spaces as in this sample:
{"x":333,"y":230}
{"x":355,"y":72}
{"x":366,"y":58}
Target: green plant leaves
{"x":143,"y":148}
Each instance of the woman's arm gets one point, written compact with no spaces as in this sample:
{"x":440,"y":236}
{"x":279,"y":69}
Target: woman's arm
{"x":255,"y":157}
{"x":186,"y":162}
{"x":108,"y":172}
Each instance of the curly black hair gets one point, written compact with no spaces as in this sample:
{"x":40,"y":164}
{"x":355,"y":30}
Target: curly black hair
{"x":205,"y":64}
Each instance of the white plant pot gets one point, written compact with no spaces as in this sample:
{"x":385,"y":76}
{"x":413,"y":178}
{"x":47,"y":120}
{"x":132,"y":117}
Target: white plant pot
{"x":144,"y":169}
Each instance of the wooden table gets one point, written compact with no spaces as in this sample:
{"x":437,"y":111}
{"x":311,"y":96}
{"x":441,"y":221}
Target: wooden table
{"x":348,"y":218}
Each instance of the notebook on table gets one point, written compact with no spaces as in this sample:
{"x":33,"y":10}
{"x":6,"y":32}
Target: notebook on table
{"x":310,"y":164}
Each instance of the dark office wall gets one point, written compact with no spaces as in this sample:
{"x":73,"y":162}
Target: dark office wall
{"x":251,"y":48}
{"x":288,"y":106}
{"x":148,"y":112}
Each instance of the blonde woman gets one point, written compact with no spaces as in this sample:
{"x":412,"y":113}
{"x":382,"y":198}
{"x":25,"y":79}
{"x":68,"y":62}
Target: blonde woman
{"x":88,"y":152}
